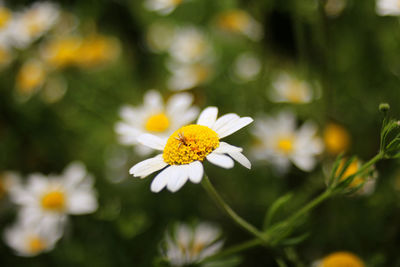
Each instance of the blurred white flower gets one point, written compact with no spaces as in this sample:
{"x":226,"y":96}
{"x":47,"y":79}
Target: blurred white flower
{"x":155,"y":117}
{"x":31,"y":76}
{"x":6,"y":19}
{"x":188,"y":76}
{"x":189,"y":45}
{"x":163,"y":7}
{"x":334,"y":8}
{"x":287,"y":88}
{"x":29,"y":25}
{"x":247,"y":66}
{"x":46,"y":200}
{"x":388,"y":7}
{"x":30,"y":240}
{"x":185,"y":150}
{"x":159,"y":36}
{"x":187,"y":245}
{"x":239,"y":21}
{"x":279,"y":142}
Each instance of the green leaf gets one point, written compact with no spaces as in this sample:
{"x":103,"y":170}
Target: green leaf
{"x":275,"y":207}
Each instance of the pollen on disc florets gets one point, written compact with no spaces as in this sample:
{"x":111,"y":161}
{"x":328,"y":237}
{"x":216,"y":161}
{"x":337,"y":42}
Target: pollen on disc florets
{"x":190,"y":143}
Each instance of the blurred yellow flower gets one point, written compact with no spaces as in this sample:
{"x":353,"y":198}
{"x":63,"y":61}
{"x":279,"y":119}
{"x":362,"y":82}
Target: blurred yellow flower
{"x":30,"y":77}
{"x":97,"y":49}
{"x":61,"y":52}
{"x":239,"y":21}
{"x":336,"y":139}
{"x":5,"y":16}
{"x":341,"y":259}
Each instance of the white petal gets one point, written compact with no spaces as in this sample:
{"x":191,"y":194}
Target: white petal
{"x":208,"y":116}
{"x":304,"y":163}
{"x":82,"y":202}
{"x":178,"y":103}
{"x":226,"y":148}
{"x":233,"y":127}
{"x":220,"y":160}
{"x":195,"y":171}
{"x":239,"y":157}
{"x":153,"y":100}
{"x":161,"y":180}
{"x":225,"y":119}
{"x":148,"y":166}
{"x":152,"y":141}
{"x":178,"y":178}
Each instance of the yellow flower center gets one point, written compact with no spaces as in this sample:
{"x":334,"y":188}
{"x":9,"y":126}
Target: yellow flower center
{"x":31,"y":76}
{"x":342,"y":259}
{"x":285,"y":145}
{"x":63,"y":52}
{"x":190,"y":143}
{"x":157,"y":123}
{"x":336,"y":139}
{"x":197,"y":248}
{"x":297,"y":92}
{"x":351,"y":169}
{"x":235,"y":20}
{"x":5,"y":16}
{"x":176,"y":2}
{"x":53,"y":201}
{"x":36,"y":245}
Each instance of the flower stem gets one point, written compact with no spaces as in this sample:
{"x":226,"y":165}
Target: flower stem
{"x":234,"y":216}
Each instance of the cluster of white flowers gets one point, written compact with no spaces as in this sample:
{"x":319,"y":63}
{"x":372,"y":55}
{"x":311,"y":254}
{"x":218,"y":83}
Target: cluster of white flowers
{"x":44,"y":204}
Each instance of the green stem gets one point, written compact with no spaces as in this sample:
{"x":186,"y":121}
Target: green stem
{"x":234,"y":216}
{"x":371,"y":162}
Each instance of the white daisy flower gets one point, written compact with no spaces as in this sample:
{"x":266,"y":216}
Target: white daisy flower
{"x":333,"y":8}
{"x":47,"y":200}
{"x":6,"y":22}
{"x":287,"y":88}
{"x":239,"y":21}
{"x":186,"y":149}
{"x":187,"y":245}
{"x":388,"y":7}
{"x":33,"y":23}
{"x":31,"y":240}
{"x":247,"y":66}
{"x":190,"y":45}
{"x":155,"y":117}
{"x":159,"y":36}
{"x":279,"y":142}
{"x":163,"y":7}
{"x":188,"y":76}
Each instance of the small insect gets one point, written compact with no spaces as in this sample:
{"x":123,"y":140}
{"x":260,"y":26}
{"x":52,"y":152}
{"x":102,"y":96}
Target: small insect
{"x":182,"y":139}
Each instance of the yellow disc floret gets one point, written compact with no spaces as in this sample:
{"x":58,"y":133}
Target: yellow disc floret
{"x":190,"y":143}
{"x":157,"y":123}
{"x":36,"y":245}
{"x":53,"y":201}
{"x":342,"y":259}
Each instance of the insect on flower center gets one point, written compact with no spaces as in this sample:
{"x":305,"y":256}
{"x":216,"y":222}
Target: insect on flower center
{"x":157,"y":123}
{"x":342,"y":259}
{"x":36,"y":245}
{"x":190,"y":143}
{"x":53,"y":201}
{"x":285,"y":145}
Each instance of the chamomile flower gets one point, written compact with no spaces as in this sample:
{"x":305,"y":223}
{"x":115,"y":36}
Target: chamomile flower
{"x":246,"y":66}
{"x":279,"y":142}
{"x":30,"y":77}
{"x":336,"y":138}
{"x":388,"y":7}
{"x":288,"y":88}
{"x":32,"y":23}
{"x":154,"y":117}
{"x":239,"y":21}
{"x":188,"y":76}
{"x":159,"y":36}
{"x":334,"y":8}
{"x":340,"y":259}
{"x":190,"y":45}
{"x":46,"y":200}
{"x":29,"y":240}
{"x":186,"y":149}
{"x":6,"y":22}
{"x":163,"y":7}
{"x":188,"y":245}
